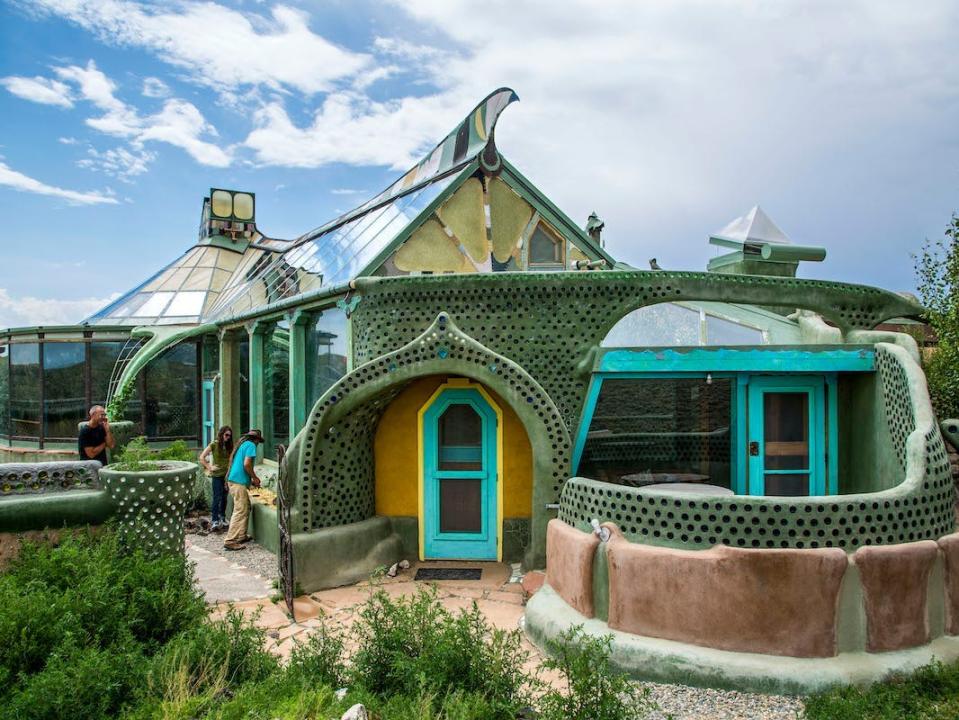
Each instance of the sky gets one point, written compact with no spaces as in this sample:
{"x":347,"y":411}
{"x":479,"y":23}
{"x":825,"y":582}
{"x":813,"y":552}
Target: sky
{"x":668,"y":119}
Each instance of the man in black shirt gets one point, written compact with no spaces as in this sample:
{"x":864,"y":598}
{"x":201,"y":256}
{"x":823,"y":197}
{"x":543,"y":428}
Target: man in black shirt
{"x":95,"y":436}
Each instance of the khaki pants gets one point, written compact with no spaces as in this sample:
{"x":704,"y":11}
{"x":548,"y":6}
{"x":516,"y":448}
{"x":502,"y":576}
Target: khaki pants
{"x":241,"y":513}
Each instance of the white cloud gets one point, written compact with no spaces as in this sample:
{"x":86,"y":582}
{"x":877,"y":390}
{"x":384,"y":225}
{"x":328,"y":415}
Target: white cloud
{"x":350,"y":128}
{"x":18,"y":181}
{"x":39,"y":90}
{"x":67,"y":140}
{"x":29,"y":311}
{"x":119,"y":162}
{"x":178,"y":123}
{"x":346,"y":191}
{"x":155,"y":88}
{"x":220,"y":48}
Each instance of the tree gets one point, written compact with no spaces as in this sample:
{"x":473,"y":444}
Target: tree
{"x":937,"y":274}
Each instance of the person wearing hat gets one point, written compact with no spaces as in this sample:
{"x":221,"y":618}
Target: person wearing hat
{"x":239,"y":479}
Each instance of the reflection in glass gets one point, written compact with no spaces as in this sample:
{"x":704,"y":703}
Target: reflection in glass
{"x":64,"y":394}
{"x":646,"y":431}
{"x":170,"y":407}
{"x":276,"y":379}
{"x":460,"y":438}
{"x":25,"y":390}
{"x":325,"y":353}
{"x":103,"y":359}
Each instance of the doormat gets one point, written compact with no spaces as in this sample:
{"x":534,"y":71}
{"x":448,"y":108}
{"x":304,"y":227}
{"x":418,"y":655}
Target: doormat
{"x":449,"y":574}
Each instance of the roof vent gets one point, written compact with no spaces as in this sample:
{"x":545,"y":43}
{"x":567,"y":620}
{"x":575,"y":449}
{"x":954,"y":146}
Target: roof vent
{"x":759,"y":248}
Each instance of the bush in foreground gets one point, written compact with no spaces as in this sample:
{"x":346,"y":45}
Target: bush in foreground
{"x":90,"y":632}
{"x":930,"y":693}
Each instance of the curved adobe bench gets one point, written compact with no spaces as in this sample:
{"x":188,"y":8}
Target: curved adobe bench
{"x":36,"y":496}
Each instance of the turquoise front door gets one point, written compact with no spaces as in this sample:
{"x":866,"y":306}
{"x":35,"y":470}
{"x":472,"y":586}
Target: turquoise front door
{"x":786,"y":449}
{"x":459,"y":477}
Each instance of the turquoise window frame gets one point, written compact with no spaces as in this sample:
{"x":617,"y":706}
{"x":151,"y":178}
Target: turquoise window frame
{"x":208,"y":402}
{"x":746,"y":366}
{"x":460,"y":545}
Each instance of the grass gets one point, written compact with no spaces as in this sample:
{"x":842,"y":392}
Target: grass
{"x":929,"y":693}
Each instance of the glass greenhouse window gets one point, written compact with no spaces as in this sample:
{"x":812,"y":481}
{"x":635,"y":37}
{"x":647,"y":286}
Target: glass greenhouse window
{"x":646,"y":431}
{"x":5,"y":391}
{"x":726,"y":332}
{"x":659,"y":325}
{"x":326,"y":353}
{"x":243,"y":369}
{"x":276,"y":378}
{"x":170,"y":408}
{"x":64,"y":391}
{"x":672,"y":325}
{"x":327,"y":257}
{"x":25,"y":390}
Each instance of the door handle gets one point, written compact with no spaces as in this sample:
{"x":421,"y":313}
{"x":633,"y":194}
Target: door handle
{"x":754,"y":448}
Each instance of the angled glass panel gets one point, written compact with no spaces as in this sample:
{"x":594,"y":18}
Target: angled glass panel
{"x":185,"y":303}
{"x":661,"y":325}
{"x":726,"y":332}
{"x":332,"y":258}
{"x":155,"y":305}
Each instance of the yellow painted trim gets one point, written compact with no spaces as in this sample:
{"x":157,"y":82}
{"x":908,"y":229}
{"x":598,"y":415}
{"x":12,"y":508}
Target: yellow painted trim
{"x":460,"y":383}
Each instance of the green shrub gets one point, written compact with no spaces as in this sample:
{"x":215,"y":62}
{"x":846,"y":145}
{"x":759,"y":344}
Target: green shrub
{"x":81,"y":603}
{"x":930,"y":693}
{"x":595,"y":691}
{"x":415,"y":647}
{"x":78,"y":683}
{"x":319,"y":660}
{"x":212,"y":656}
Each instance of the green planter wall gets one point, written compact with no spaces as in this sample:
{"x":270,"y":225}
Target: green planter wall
{"x":151,"y":503}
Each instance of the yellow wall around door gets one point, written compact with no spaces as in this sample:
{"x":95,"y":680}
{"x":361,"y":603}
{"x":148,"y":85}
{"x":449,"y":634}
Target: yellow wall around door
{"x":397,"y":461}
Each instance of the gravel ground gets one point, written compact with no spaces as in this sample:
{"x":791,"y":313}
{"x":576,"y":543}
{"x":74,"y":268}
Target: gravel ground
{"x":682,"y":702}
{"x":258,"y":559}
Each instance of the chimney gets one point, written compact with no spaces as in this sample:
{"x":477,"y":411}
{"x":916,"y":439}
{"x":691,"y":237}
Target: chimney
{"x":594,"y":228}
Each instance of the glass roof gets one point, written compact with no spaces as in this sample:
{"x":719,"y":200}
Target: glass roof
{"x":210,"y":283}
{"x":181,"y":293}
{"x":330,"y":258}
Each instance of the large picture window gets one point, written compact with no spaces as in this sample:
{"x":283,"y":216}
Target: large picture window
{"x":647,"y":431}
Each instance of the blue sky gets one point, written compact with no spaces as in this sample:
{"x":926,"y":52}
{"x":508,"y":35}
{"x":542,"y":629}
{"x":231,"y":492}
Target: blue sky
{"x":668,"y":119}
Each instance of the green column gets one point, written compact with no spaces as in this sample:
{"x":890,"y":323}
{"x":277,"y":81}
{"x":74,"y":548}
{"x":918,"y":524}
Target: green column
{"x":299,"y":325}
{"x":229,"y":387}
{"x":258,"y":401}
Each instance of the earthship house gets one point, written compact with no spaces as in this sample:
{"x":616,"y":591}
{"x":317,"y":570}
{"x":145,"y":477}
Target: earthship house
{"x":732,"y":471}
